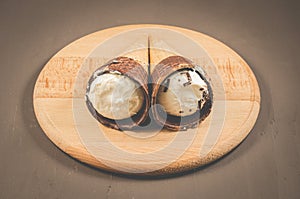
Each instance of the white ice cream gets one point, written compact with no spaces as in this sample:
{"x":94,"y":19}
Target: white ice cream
{"x":183,"y":93}
{"x":115,"y":96}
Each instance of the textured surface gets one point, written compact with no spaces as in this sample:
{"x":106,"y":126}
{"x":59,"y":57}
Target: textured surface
{"x":265,"y":165}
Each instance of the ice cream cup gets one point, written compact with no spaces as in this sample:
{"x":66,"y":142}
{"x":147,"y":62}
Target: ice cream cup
{"x":117,"y":94}
{"x":181,"y":93}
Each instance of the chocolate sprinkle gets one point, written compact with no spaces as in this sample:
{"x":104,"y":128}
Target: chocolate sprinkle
{"x":166,"y":86}
{"x":199,"y":104}
{"x":188,"y":76}
{"x":186,"y":84}
{"x":204,"y":95}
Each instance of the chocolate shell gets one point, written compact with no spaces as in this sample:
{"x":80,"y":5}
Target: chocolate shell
{"x":161,"y":72}
{"x":132,"y":69}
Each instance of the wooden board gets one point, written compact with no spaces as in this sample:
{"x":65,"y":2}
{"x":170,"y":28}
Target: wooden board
{"x":60,"y":108}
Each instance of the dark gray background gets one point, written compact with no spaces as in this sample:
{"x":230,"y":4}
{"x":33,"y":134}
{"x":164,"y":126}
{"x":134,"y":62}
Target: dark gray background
{"x":264,"y":33}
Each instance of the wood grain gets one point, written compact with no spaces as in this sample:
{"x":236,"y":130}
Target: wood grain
{"x":61,"y":111}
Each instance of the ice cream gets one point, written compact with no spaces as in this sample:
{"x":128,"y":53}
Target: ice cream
{"x":115,"y":96}
{"x":183,"y":93}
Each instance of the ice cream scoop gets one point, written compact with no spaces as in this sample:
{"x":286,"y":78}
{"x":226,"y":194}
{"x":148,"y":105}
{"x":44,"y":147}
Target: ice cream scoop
{"x":183,"y":93}
{"x":115,"y":96}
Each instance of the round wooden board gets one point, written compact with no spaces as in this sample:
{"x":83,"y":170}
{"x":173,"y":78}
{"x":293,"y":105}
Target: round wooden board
{"x":60,"y":108}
